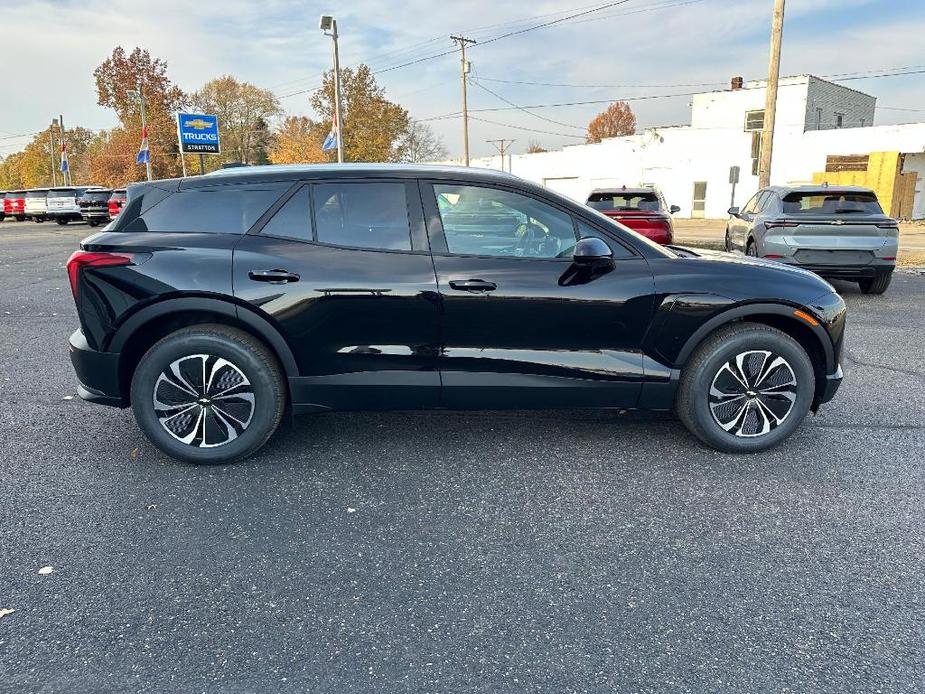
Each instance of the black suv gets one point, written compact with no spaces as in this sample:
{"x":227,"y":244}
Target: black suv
{"x":213,"y":304}
{"x":94,"y":206}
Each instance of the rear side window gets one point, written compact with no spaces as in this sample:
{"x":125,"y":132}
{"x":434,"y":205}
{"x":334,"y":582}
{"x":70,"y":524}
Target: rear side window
{"x":215,"y":210}
{"x":825,"y":202}
{"x":363,"y":215}
{"x":293,"y":219}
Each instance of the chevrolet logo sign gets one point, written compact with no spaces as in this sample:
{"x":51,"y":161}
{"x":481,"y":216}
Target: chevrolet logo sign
{"x":197,"y":124}
{"x":838,"y":222}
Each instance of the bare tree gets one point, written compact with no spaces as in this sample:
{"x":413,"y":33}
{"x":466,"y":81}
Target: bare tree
{"x":421,"y":144}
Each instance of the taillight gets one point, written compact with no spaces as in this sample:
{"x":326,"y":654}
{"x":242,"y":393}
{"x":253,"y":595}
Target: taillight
{"x":81,"y":259}
{"x":781,"y":224}
{"x":771,"y":256}
{"x":113,"y":208}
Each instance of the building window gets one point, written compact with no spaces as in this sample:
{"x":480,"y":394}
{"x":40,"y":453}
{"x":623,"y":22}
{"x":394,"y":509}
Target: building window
{"x":754,"y":120}
{"x":756,"y":151}
{"x":818,"y":119}
{"x":839,"y":120}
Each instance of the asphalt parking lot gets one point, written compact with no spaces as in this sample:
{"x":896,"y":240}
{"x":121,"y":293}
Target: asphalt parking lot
{"x":497,"y":552}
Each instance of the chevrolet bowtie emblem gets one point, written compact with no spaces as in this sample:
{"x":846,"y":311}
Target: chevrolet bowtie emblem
{"x":197,"y":124}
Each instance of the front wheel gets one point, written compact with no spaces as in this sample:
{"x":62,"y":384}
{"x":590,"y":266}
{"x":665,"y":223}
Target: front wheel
{"x":746,"y":388}
{"x":876,"y":285}
{"x":728,"y":244}
{"x":208,"y":394}
{"x":62,"y":222}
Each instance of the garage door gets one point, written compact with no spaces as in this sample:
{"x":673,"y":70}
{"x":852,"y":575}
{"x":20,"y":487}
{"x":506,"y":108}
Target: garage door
{"x":572,"y":187}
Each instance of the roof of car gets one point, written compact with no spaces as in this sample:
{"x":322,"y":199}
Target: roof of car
{"x":819,"y":188}
{"x":623,"y":190}
{"x":313,"y":170}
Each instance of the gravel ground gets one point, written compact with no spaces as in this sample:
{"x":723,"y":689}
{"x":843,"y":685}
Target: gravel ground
{"x":449,"y":552}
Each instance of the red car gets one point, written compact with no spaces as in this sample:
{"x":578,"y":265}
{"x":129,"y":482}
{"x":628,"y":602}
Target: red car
{"x":641,"y":209}
{"x":14,"y":205}
{"x":116,"y":202}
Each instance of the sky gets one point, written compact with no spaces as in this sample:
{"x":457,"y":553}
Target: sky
{"x":632,"y":49}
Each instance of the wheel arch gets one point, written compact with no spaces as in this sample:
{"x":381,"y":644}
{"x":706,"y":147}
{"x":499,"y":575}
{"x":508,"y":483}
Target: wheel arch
{"x":140,"y":331}
{"x":813,"y":339}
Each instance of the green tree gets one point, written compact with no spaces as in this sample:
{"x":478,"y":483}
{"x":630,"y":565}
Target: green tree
{"x":373,"y":127}
{"x":243,"y":111}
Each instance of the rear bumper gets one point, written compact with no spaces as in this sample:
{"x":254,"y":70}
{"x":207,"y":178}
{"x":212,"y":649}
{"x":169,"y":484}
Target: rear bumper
{"x":97,"y":372}
{"x":847,"y":272}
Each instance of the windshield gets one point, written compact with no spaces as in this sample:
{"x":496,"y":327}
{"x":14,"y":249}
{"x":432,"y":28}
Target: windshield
{"x":624,"y":201}
{"x":831,"y":202}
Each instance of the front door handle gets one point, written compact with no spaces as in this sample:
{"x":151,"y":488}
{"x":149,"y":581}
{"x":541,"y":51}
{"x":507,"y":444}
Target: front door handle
{"x":273,"y":276}
{"x":473,"y":285}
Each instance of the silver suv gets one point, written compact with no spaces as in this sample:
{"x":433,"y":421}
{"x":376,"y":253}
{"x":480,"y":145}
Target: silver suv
{"x":838,"y":232}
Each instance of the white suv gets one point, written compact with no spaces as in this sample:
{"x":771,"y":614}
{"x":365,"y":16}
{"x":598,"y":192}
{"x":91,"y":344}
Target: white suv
{"x":36,"y":205}
{"x":62,"y":204}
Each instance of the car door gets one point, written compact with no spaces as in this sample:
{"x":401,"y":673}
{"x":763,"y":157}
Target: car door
{"x":741,"y":226}
{"x":521,"y":328}
{"x":341,"y":267}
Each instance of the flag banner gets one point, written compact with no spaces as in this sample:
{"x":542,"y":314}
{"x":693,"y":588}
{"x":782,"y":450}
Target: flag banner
{"x":330,"y":142}
{"x":144,"y":154}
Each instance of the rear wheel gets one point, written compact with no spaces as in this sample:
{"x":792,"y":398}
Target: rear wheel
{"x":208,"y":394}
{"x":746,"y":388}
{"x":876,"y":285}
{"x":728,"y":244}
{"x":752,"y":248}
{"x":62,"y":222}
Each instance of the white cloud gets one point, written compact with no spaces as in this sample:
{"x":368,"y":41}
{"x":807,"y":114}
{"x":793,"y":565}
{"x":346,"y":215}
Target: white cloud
{"x":276,"y":43}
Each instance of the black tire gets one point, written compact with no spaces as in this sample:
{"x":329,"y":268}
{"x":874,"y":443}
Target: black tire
{"x":751,"y":248}
{"x":20,"y":218}
{"x":876,"y":285}
{"x":92,"y":222}
{"x":707,"y":367}
{"x":728,"y":245}
{"x":62,"y":222}
{"x":244,"y":356}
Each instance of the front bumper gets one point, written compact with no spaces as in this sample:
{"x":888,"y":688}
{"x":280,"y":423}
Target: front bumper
{"x":97,"y":372}
{"x":832,"y":383}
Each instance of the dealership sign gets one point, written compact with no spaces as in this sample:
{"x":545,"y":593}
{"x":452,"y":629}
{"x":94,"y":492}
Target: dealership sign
{"x":198,"y":133}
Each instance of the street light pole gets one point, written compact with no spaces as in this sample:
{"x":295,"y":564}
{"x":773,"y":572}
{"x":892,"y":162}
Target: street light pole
{"x":328,"y":25}
{"x":770,"y":103}
{"x":51,"y":152}
{"x":144,"y":128}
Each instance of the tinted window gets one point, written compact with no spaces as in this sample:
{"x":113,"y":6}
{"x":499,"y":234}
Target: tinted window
{"x":646,"y":201}
{"x":364,"y":215}
{"x":293,"y":219}
{"x":217,"y":210}
{"x":835,"y":202}
{"x":36,"y":193}
{"x":488,"y":221}
{"x":62,"y":193}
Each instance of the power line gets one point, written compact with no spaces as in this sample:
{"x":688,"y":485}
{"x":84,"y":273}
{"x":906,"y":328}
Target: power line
{"x":535,"y":115}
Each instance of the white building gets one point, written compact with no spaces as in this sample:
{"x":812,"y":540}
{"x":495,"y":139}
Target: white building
{"x":822,"y":129}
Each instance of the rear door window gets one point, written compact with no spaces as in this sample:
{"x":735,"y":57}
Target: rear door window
{"x":294,"y":219}
{"x":834,"y":202}
{"x":226,"y":209}
{"x":363,"y":215}
{"x":625,"y":201}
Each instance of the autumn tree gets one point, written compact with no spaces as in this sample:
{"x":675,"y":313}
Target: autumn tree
{"x":617,"y":120}
{"x":296,"y":141}
{"x":535,"y":148}
{"x":373,"y":127}
{"x":115,"y":78}
{"x":244,"y":111}
{"x":421,"y":144}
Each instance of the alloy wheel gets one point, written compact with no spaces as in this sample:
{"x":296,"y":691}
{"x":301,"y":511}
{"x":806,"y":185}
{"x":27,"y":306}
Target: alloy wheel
{"x":203,"y":400}
{"x":753,"y":393}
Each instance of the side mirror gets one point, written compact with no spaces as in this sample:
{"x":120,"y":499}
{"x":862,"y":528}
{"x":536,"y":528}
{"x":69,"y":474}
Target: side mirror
{"x":673,"y":209}
{"x":733,"y":211}
{"x":592,"y":250}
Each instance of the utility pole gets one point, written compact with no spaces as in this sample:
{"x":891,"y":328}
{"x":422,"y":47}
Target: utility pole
{"x":770,"y":103}
{"x":144,"y":128}
{"x":51,"y":152}
{"x":502,"y":146}
{"x":462,"y":41}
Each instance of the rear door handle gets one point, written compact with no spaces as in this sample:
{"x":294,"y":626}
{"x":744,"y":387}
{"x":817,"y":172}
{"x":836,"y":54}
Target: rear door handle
{"x":473,"y":285}
{"x":273,"y":276}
